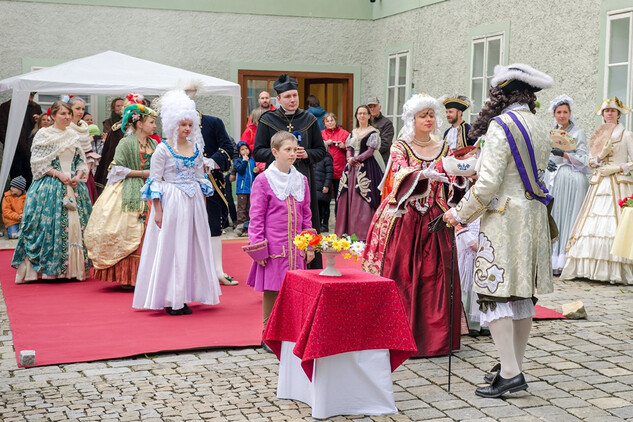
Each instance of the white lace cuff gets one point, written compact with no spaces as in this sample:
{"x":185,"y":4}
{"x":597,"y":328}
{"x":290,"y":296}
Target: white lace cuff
{"x":117,"y":173}
{"x":454,"y":212}
{"x":210,"y":164}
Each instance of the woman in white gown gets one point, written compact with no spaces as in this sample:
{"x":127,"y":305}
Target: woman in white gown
{"x":566,"y":177}
{"x":176,"y":261}
{"x":589,"y":246}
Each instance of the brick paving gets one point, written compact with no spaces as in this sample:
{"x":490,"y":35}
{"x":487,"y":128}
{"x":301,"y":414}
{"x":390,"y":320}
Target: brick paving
{"x":576,"y":370}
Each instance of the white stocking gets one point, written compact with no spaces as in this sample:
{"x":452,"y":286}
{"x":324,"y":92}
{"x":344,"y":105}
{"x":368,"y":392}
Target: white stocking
{"x":503,"y":336}
{"x":522,"y":329}
{"x":216,"y":245}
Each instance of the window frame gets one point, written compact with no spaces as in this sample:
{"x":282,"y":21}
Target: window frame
{"x":609,"y":18}
{"x":488,"y":31}
{"x":396,"y":115}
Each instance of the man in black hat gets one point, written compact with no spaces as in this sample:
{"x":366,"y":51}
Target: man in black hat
{"x":457,"y":135}
{"x":384,"y":126}
{"x":290,"y":118}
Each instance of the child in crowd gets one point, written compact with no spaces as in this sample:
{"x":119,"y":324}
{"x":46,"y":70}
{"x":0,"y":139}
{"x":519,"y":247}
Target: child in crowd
{"x":280,"y":210}
{"x":323,"y":172}
{"x":96,"y":138}
{"x":13,"y":206}
{"x":245,"y":170}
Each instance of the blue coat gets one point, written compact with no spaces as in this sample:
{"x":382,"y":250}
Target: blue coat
{"x":244,"y":172}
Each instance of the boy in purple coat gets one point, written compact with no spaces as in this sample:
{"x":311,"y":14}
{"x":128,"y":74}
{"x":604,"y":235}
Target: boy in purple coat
{"x":280,"y":210}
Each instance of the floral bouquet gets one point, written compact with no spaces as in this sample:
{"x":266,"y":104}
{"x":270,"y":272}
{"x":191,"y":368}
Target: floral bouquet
{"x":626,"y":202}
{"x":350,"y":246}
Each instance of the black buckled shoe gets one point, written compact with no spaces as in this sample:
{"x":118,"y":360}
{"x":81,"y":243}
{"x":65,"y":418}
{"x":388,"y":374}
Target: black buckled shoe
{"x":490,"y":376}
{"x":501,"y":386}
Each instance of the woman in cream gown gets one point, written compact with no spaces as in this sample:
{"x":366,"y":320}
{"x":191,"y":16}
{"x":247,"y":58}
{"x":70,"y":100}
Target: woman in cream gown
{"x":589,"y":248}
{"x":115,"y":232}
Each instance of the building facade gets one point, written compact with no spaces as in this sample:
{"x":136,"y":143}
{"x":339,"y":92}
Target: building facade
{"x":386,"y":48}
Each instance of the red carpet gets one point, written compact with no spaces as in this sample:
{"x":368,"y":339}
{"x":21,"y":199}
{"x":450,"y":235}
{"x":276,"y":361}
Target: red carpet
{"x":546,"y":313}
{"x":94,"y":320}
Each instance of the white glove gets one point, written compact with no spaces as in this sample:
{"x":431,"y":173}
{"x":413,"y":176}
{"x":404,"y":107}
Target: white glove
{"x":626,"y":169}
{"x":431,"y":174}
{"x":609,"y":169}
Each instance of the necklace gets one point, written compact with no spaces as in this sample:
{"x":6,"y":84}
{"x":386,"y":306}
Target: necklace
{"x":143,"y":146}
{"x":290,"y":126}
{"x":422,"y":143}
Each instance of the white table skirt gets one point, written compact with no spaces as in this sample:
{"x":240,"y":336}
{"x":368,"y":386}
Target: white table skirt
{"x":354,"y":383}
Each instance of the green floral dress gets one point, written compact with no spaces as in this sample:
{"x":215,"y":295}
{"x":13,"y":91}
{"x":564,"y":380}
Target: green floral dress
{"x":47,"y":240}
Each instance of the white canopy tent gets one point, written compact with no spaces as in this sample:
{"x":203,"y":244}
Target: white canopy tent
{"x":108,"y":73}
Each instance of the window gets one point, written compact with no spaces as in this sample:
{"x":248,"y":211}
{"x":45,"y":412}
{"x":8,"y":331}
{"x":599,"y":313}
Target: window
{"x":487,"y":52}
{"x":618,"y":60}
{"x":398,"y":83}
{"x":47,"y":100}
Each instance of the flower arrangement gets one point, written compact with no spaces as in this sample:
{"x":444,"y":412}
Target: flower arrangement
{"x":350,"y":246}
{"x":626,"y":202}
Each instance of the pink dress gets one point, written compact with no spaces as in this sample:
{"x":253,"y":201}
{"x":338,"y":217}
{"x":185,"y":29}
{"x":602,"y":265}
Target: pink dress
{"x":274,"y":224}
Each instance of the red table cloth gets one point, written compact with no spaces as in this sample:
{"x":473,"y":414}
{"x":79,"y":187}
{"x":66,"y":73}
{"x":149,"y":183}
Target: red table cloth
{"x":325,"y":316}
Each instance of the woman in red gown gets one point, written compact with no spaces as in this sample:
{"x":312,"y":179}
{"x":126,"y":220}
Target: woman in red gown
{"x":399,"y":244}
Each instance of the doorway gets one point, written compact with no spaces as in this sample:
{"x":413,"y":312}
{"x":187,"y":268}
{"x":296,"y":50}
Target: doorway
{"x":334,"y":91}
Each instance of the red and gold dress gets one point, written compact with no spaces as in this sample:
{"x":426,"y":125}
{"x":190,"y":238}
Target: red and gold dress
{"x":400,"y":247}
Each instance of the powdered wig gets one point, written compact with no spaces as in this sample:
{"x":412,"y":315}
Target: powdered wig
{"x":415,"y":104}
{"x":176,"y":106}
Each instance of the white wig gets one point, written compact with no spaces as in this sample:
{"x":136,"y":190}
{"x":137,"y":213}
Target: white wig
{"x":415,"y":104}
{"x":558,"y":101}
{"x":176,"y":106}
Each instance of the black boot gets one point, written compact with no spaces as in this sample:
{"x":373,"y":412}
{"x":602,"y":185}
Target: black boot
{"x":501,"y":385}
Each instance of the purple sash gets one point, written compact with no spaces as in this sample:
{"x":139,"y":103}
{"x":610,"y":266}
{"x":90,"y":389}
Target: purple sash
{"x":525,"y":165}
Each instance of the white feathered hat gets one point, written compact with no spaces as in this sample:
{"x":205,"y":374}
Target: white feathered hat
{"x":520,"y":76}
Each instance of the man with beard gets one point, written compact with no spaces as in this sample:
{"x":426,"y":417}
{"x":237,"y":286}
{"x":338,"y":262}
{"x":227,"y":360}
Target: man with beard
{"x":457,"y":135}
{"x":290,"y":118}
{"x":264,"y":101}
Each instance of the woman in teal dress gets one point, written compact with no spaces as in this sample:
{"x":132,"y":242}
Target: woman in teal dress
{"x":50,"y":244}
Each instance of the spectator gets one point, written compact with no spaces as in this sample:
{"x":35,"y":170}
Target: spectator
{"x":313,"y":106}
{"x":334,"y":138}
{"x":244,"y":167}
{"x":384,"y":126}
{"x":21,"y":159}
{"x":13,"y":206}
{"x":88,"y":119}
{"x":323,"y":180}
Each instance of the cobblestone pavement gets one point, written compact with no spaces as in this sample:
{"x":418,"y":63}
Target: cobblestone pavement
{"x":576,"y":370}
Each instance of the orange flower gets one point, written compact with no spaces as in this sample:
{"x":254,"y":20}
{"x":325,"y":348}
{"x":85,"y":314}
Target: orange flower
{"x":316,"y":239}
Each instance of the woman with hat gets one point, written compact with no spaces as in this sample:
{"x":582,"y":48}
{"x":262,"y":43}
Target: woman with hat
{"x":566,"y":176}
{"x":611,"y":157}
{"x":119,"y":216}
{"x":399,"y":243}
{"x":514,"y":254}
{"x":57,"y":207}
